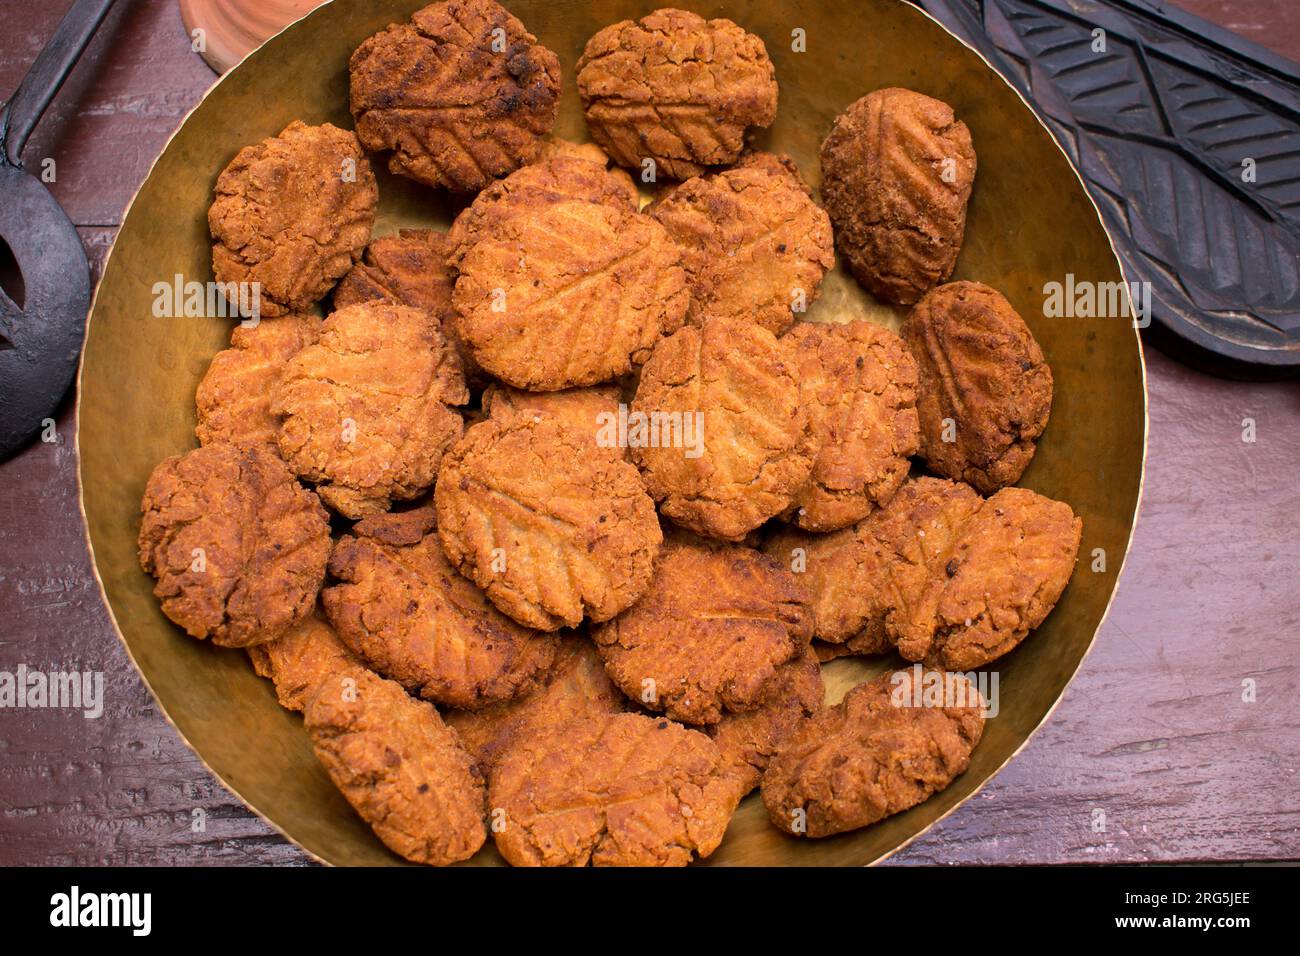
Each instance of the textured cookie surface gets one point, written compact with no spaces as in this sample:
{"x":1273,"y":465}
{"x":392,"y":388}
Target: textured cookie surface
{"x":292,"y":214}
{"x":237,"y":545}
{"x":733,"y":442}
{"x":710,"y":633}
{"x":611,"y":790}
{"x":897,"y":170}
{"x":462,"y":94}
{"x":985,"y":390}
{"x":364,"y":412}
{"x":675,"y":88}
{"x":550,"y":531}
{"x":869,"y":756}
{"x":402,"y":769}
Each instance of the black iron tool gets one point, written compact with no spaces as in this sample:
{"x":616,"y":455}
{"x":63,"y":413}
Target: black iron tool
{"x":44,"y":275}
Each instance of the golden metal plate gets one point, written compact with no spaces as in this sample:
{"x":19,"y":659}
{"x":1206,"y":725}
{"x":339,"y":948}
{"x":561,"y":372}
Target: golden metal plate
{"x":1030,"y":223}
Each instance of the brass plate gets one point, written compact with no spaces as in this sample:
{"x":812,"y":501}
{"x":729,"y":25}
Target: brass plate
{"x":1030,"y":223}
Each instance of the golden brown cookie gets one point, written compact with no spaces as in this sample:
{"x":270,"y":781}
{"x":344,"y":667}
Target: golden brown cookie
{"x":748,"y":741}
{"x":408,"y":267}
{"x":406,"y":612}
{"x":591,"y":413}
{"x":402,"y":769}
{"x":874,"y":754}
{"x":237,"y":545}
{"x":303,"y":659}
{"x":574,"y":293}
{"x":859,"y":385}
{"x":531,"y":189}
{"x":729,"y":441}
{"x":675,"y":88}
{"x":233,"y":399}
{"x":576,"y":685}
{"x":610,"y":790}
{"x":999,"y":581}
{"x":754,"y":244}
{"x":846,"y":576}
{"x":364,"y":412}
{"x":462,"y":94}
{"x":985,"y":389}
{"x":710,"y":633}
{"x":550,"y":531}
{"x":897,"y":170}
{"x":292,"y":213}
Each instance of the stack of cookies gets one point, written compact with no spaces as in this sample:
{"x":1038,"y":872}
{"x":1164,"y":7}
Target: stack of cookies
{"x":547,"y":523}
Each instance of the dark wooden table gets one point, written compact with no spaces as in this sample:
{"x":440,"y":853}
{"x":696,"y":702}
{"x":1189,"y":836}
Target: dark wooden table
{"x":1154,"y":731}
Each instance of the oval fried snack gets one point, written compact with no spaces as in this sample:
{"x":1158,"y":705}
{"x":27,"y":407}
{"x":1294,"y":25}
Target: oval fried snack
{"x":748,"y":741}
{"x":576,"y":685}
{"x":878,"y":752}
{"x":237,"y":545}
{"x":677,"y":89}
{"x":407,"y":613}
{"x":574,"y":293}
{"x":301,"y":660}
{"x":845,"y":575}
{"x":406,"y":268}
{"x":532,"y":188}
{"x":403,"y":770}
{"x":292,"y":213}
{"x":985,"y":389}
{"x":233,"y":399}
{"x":462,"y":95}
{"x":754,"y":244}
{"x":859,"y":385}
{"x":730,"y":441}
{"x":710,"y":633}
{"x":897,"y":170}
{"x":550,"y":531}
{"x":1001,"y":579}
{"x":611,"y":790}
{"x":364,"y":412}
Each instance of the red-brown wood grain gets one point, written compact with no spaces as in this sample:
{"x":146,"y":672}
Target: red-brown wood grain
{"x":1153,"y":731}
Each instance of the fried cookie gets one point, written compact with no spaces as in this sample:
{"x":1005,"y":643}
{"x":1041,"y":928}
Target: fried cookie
{"x":550,"y":531}
{"x":676,"y":89}
{"x":897,"y":170}
{"x":876,"y":753}
{"x":611,"y":790}
{"x":302,"y":659}
{"x":532,"y":188}
{"x":403,"y":770}
{"x":364,"y":412}
{"x":709,"y":634}
{"x":292,"y":214}
{"x":748,"y":741}
{"x":237,"y":545}
{"x":590,"y":413}
{"x":732,"y":441}
{"x":462,"y":94}
{"x":754,"y":244}
{"x":406,"y":612}
{"x":985,"y":389}
{"x":405,"y":268}
{"x":233,"y":399}
{"x":576,"y":685}
{"x":845,"y":574}
{"x":859,"y":385}
{"x":574,"y":293}
{"x":1001,"y":578}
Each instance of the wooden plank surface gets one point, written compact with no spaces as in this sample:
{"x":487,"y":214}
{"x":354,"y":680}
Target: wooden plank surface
{"x":1154,"y":731}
